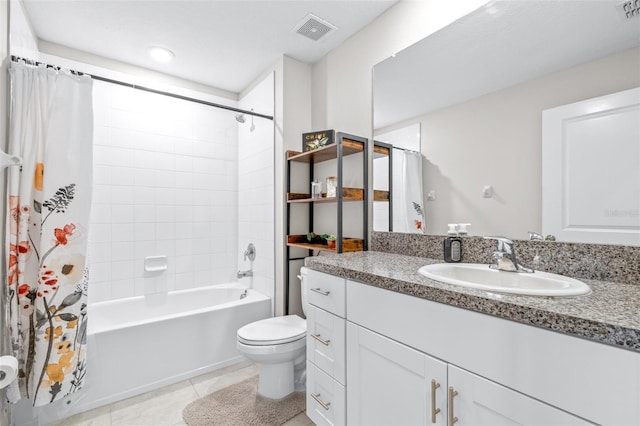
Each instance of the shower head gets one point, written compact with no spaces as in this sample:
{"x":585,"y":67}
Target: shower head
{"x":240,"y":118}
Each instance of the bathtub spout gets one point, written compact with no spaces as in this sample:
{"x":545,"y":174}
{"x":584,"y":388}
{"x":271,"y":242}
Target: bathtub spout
{"x":242,"y":274}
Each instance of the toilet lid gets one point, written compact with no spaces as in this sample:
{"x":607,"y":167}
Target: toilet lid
{"x":273,"y":331}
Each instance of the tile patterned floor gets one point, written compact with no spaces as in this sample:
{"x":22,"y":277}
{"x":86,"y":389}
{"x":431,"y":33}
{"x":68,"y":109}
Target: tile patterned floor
{"x":163,"y":407}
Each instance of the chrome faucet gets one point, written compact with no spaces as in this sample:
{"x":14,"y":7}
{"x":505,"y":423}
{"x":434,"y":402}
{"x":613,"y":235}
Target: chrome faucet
{"x":242,"y":274}
{"x":505,"y":256}
{"x":250,"y":253}
{"x":534,"y":236}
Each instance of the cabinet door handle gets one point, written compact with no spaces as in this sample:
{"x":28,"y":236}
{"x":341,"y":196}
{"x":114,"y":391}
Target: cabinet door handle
{"x":322,"y":292}
{"x":434,"y":385}
{"x":452,"y":393}
{"x":320,"y":339}
{"x":325,"y":405}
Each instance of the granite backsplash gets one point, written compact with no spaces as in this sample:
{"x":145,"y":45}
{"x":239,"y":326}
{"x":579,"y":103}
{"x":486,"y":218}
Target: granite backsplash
{"x":589,"y":261}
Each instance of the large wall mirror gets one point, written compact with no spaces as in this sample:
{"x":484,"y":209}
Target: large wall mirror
{"x":478,"y":90}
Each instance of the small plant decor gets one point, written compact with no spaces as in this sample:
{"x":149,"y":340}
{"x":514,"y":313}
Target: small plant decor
{"x":331,"y":240}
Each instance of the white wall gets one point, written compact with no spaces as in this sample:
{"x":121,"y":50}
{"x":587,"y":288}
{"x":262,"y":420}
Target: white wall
{"x":292,"y":118}
{"x":500,"y":145}
{"x":23,"y":40}
{"x":137,"y":139}
{"x":342,"y":80}
{"x":256,"y":203}
{"x":91,"y":63}
{"x":342,"y":95}
{"x":165,"y":179}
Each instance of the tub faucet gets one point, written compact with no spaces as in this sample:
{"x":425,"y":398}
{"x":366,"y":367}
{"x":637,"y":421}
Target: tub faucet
{"x":505,"y":256}
{"x":242,"y":274}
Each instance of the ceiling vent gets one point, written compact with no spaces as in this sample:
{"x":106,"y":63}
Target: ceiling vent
{"x":314,"y":27}
{"x":629,"y":9}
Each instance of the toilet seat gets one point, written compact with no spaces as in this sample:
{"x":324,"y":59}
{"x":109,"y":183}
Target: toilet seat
{"x":273,"y":331}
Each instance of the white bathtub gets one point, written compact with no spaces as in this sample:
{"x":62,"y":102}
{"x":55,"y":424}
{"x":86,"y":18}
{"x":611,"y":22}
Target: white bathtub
{"x":140,"y":344}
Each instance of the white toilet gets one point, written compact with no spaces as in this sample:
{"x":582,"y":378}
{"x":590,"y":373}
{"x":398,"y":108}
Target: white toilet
{"x":278,"y":345}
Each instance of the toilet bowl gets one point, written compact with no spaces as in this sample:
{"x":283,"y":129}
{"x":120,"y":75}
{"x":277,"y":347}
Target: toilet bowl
{"x":278,"y":345}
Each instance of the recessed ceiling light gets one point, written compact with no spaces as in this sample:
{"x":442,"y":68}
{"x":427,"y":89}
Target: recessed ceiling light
{"x":161,"y":54}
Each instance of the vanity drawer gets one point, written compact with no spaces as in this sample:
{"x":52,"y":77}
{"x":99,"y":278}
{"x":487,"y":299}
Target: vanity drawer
{"x":326,"y":291}
{"x":326,"y":398}
{"x":326,"y":342}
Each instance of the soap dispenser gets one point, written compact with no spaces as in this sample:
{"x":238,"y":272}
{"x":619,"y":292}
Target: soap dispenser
{"x":452,"y":245}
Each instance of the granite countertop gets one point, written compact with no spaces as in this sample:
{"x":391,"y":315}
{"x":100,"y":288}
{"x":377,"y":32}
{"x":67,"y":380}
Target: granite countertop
{"x":610,"y":314}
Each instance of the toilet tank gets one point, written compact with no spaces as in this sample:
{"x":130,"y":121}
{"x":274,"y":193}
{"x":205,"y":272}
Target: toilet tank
{"x":304,"y":288}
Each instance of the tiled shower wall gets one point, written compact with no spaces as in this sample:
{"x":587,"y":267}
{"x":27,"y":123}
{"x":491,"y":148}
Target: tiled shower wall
{"x":256,"y":188}
{"x":165,"y":183}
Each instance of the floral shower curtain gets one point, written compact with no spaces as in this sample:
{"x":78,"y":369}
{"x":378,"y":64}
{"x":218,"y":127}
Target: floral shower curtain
{"x":49,"y":199}
{"x":412,"y":185}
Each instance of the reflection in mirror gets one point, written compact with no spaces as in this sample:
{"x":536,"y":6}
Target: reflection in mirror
{"x":478,"y":89}
{"x":402,"y":169}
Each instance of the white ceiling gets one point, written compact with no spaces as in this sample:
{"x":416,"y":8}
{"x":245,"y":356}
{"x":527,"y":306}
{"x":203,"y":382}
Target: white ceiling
{"x":223,"y":44}
{"x":499,"y":45}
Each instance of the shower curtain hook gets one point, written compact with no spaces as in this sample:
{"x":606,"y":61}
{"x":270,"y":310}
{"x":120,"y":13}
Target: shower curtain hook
{"x":7,"y":160}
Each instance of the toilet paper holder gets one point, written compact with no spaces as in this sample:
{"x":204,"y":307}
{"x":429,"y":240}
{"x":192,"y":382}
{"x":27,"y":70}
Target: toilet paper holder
{"x":8,"y":370}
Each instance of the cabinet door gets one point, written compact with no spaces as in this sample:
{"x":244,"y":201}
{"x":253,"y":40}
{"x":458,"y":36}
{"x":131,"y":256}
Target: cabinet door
{"x":326,"y":401}
{"x":482,"y":402}
{"x":326,"y":291}
{"x":326,"y":342}
{"x":390,"y":384}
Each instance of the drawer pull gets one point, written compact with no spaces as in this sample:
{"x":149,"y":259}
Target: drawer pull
{"x":320,"y":339}
{"x":325,"y":405}
{"x":452,"y":393}
{"x":434,"y":385}
{"x":322,"y":292}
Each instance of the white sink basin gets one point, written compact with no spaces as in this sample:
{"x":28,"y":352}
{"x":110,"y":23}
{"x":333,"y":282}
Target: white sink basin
{"x":484,"y":278}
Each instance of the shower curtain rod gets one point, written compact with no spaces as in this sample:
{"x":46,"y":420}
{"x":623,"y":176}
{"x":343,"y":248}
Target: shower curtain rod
{"x":143,"y":88}
{"x":402,"y":149}
{"x":406,"y":150}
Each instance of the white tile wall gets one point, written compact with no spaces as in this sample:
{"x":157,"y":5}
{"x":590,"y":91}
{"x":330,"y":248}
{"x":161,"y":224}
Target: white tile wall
{"x":165,"y":174}
{"x":256,"y":177}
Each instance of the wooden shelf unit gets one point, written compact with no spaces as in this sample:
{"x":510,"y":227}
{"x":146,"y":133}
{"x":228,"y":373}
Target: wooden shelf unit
{"x":326,"y":153}
{"x":381,"y":149}
{"x":382,"y":196}
{"x":348,"y":244}
{"x":348,"y":194}
{"x":343,"y":146}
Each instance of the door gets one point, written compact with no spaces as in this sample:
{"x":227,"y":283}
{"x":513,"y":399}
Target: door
{"x":476,"y":401}
{"x":391,"y":384}
{"x":591,"y":170}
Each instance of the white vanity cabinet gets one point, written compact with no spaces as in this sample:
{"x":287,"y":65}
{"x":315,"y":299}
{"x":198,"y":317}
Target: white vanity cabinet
{"x":326,"y":366}
{"x":474,"y":400}
{"x":392,"y":384}
{"x":491,"y":371}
